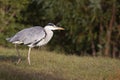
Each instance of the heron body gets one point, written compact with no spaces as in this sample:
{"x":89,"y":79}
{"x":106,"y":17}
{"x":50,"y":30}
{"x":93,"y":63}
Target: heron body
{"x":34,"y":36}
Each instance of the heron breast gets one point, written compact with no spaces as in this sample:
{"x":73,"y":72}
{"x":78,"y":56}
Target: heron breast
{"x":42,"y":42}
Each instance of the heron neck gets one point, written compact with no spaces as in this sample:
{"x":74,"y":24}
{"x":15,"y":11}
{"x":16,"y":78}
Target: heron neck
{"x":49,"y":35}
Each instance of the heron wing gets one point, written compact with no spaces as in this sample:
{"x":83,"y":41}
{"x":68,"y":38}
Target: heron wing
{"x":29,"y":35}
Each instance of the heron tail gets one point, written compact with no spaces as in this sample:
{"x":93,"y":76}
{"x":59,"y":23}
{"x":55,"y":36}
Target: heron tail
{"x":8,"y":39}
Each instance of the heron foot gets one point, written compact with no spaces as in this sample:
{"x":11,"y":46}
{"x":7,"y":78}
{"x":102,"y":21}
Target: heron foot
{"x":19,"y":60}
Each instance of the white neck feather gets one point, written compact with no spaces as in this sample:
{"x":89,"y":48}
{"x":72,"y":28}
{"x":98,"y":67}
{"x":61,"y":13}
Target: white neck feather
{"x":49,"y":35}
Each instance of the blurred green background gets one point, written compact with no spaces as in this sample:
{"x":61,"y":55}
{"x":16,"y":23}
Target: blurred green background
{"x":92,"y":27}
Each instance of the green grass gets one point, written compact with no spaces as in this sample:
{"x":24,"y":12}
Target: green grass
{"x":52,"y":66}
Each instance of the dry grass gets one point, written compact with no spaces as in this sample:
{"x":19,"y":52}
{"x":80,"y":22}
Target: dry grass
{"x":52,"y":66}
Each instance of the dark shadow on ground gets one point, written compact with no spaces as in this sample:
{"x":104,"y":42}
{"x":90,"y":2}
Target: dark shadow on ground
{"x":10,"y":58}
{"x":10,"y":72}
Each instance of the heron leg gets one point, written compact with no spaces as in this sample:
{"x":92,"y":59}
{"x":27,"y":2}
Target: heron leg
{"x":29,"y":55}
{"x":18,"y":54}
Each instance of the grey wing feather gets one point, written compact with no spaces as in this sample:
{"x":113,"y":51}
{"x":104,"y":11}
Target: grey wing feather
{"x":29,"y":35}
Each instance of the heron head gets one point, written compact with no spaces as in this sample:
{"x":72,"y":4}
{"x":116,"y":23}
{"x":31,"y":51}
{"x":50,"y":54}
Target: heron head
{"x":51,"y":26}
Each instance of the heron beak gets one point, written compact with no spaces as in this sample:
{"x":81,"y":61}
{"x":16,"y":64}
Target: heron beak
{"x":59,"y":28}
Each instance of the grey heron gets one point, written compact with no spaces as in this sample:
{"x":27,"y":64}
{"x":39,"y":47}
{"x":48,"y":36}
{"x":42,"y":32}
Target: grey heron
{"x":34,"y":36}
